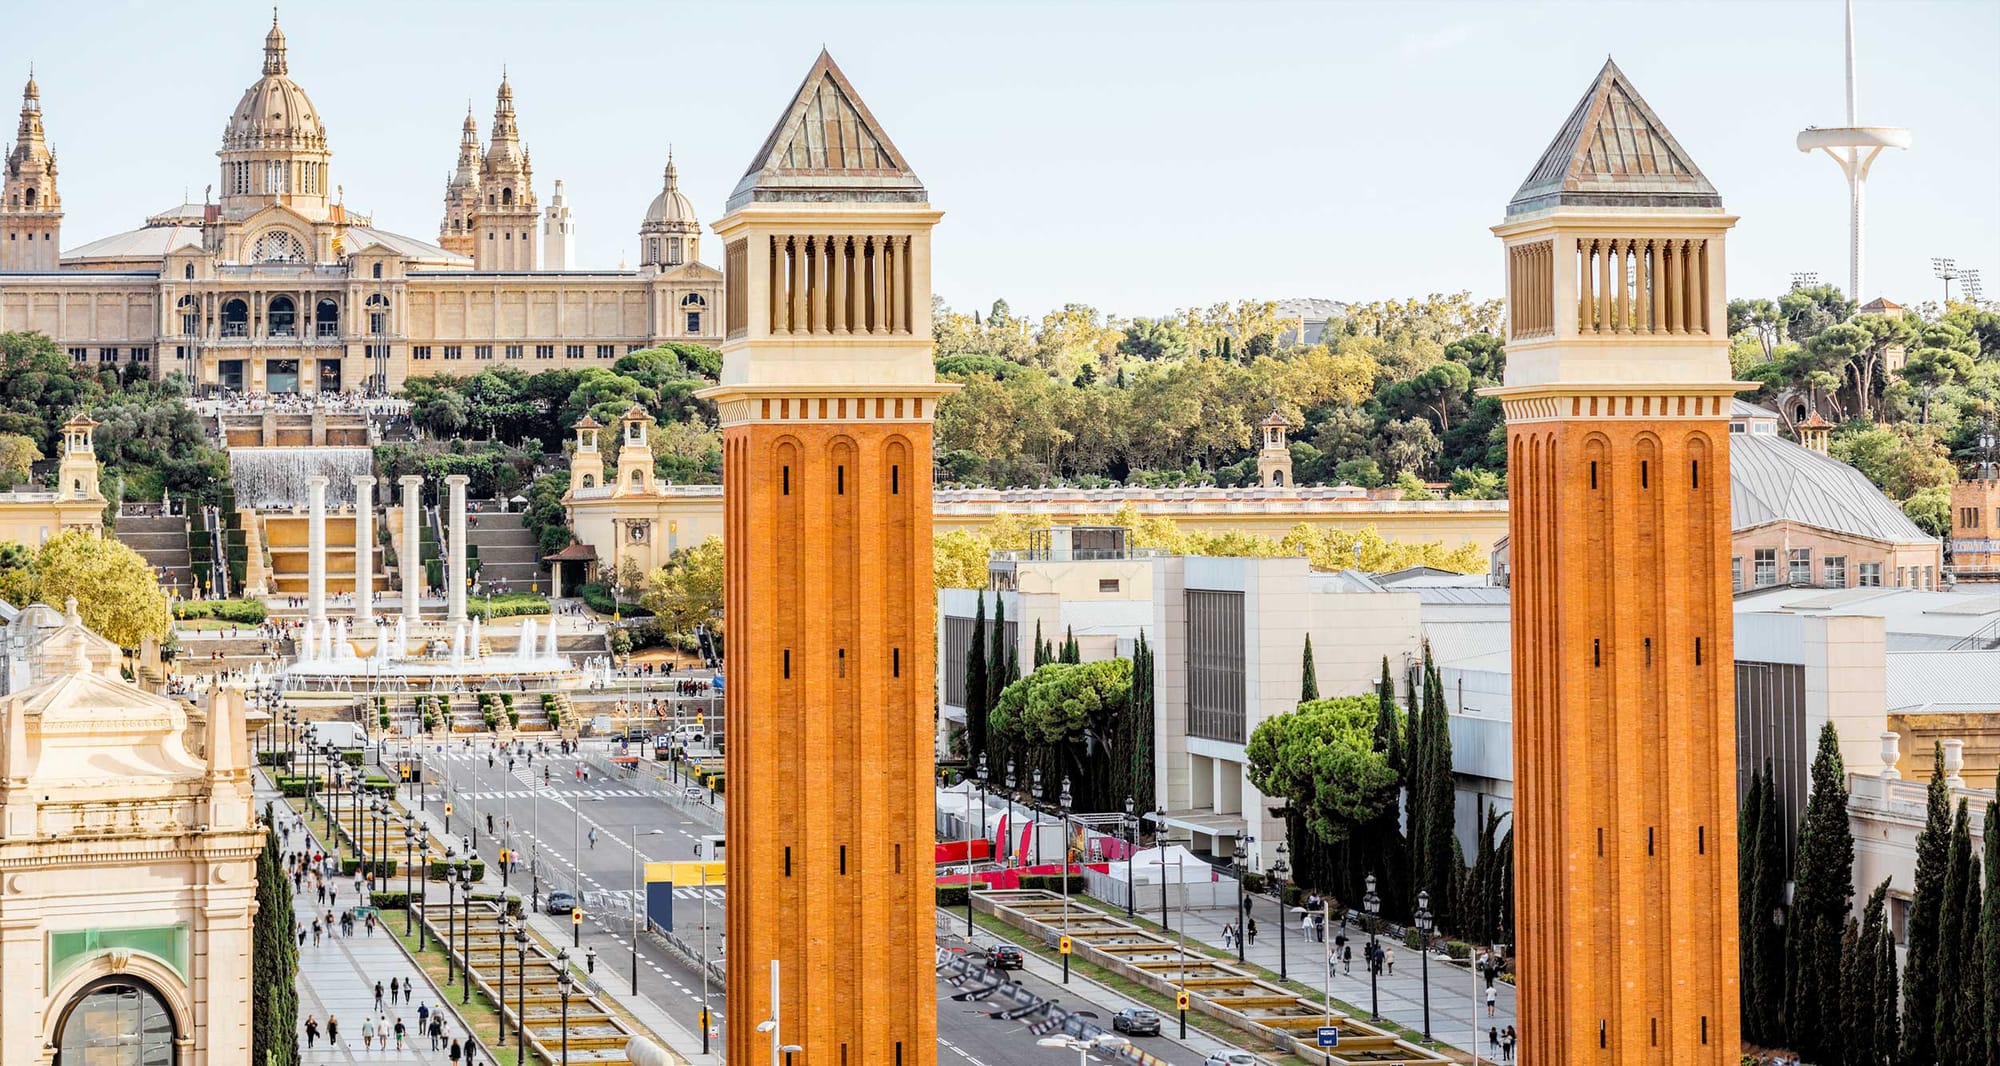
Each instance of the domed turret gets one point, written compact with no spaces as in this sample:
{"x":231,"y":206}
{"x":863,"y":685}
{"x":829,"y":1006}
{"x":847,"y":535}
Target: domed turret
{"x":274,"y":148}
{"x":30,"y":207}
{"x":670,"y":234}
{"x":505,"y":229}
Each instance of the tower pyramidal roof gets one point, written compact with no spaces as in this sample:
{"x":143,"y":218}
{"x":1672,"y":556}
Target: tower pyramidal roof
{"x":827,"y":147}
{"x":1613,"y":151}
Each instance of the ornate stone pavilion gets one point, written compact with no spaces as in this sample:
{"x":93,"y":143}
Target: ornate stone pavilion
{"x":272,"y":284}
{"x":128,"y":845}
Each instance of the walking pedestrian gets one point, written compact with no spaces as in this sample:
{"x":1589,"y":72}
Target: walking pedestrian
{"x":1389,"y":960}
{"x":399,"y":1032}
{"x":406,"y":991}
{"x":1493,"y":1041}
{"x":312,"y":1030}
{"x":457,"y":1052}
{"x":315,"y":932}
{"x":1250,"y":931}
{"x":424,"y":1017}
{"x":332,"y":1030}
{"x":302,"y":936}
{"x":378,"y":995}
{"x":1347,"y":960}
{"x":1306,"y":926}
{"x":1489,"y":1000}
{"x":395,"y":985}
{"x":367,"y":1034}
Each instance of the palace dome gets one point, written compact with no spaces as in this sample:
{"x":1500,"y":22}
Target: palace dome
{"x":275,"y":111}
{"x":671,"y":205}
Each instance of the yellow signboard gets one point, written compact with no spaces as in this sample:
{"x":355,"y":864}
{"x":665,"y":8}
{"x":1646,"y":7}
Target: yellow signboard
{"x":688,"y":874}
{"x":1181,"y":1000}
{"x":1064,"y":946}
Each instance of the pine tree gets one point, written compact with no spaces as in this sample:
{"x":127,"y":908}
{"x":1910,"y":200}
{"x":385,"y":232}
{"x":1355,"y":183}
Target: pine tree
{"x":1309,"y":685}
{"x":975,"y":687}
{"x":1952,"y":1041}
{"x":1821,"y":903}
{"x":1920,"y":974}
{"x":1041,"y":650}
{"x":274,"y":1001}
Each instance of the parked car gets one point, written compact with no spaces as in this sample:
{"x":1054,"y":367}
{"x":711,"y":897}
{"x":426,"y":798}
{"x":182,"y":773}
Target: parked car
{"x":1006,"y":957}
{"x":1136,"y":1020}
{"x":559,"y":903}
{"x":1231,"y":1058}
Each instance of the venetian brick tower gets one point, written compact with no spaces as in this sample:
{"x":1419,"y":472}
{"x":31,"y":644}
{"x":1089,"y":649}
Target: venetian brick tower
{"x":1617,"y":399}
{"x":827,"y":398}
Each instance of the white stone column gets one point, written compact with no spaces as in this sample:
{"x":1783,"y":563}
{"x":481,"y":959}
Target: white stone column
{"x":364,"y":553}
{"x":413,"y":548}
{"x":316,"y":549}
{"x":455,"y":572}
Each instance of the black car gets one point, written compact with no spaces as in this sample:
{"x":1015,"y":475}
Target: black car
{"x":559,"y":903}
{"x":1136,"y":1020}
{"x":1006,"y":957}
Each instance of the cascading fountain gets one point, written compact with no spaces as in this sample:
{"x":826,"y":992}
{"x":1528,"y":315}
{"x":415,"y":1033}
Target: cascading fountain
{"x":275,"y":478}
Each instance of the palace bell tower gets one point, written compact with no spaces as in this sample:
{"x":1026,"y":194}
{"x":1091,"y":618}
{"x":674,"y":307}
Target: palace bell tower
{"x":1617,"y":397}
{"x":30,"y":209}
{"x":827,"y":398}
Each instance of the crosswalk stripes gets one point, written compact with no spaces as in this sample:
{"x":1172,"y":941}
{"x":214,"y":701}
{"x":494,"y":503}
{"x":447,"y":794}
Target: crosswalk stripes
{"x":587,"y":793}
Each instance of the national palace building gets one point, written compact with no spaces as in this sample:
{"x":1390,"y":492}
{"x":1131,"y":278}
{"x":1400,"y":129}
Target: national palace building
{"x":273,"y":285}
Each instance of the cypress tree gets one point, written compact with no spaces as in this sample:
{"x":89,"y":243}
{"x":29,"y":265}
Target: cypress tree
{"x":1041,"y":650}
{"x":1438,"y":840}
{"x":274,"y":1001}
{"x":1142,"y":725}
{"x":1976,"y":984}
{"x":1952,"y":1042}
{"x":1851,"y":988}
{"x":1989,"y":934}
{"x":1388,"y":731}
{"x":1749,"y":823}
{"x":1309,"y":681}
{"x":1920,"y":974}
{"x":1887,"y":1030}
{"x":1822,"y":900}
{"x":1071,"y":652}
{"x":997,"y":652}
{"x":976,"y":686}
{"x":1766,"y":902}
{"x":1416,"y":795}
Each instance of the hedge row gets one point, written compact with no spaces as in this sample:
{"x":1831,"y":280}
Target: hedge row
{"x":507,"y":606}
{"x":248,"y":612}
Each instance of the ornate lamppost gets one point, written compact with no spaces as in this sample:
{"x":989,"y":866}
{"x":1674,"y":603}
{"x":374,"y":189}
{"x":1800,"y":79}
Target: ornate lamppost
{"x":1372,"y":904}
{"x":1423,"y":919}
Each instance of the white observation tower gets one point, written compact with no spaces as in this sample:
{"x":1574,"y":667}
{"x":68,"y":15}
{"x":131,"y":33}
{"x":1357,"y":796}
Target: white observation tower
{"x":1854,"y":148}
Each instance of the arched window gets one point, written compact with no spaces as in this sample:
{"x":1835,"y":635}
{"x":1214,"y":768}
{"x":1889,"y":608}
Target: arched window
{"x":278,"y":246}
{"x":31,"y":196}
{"x":638,"y":478}
{"x":190,"y":312}
{"x":281,"y":318}
{"x":378,"y":313}
{"x":506,"y":195}
{"x":1277,"y":477}
{"x":235,"y":318}
{"x":693,"y":299}
{"x":378,"y":270}
{"x":673,"y":253}
{"x":188,"y":272}
{"x":691,"y":306}
{"x":118,"y":1020}
{"x":589,"y":480}
{"x":326,"y":318}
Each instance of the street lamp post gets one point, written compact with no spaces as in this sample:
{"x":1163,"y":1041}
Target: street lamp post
{"x":1160,"y":842}
{"x":1423,"y":918}
{"x":450,"y":917}
{"x":1063,"y":802}
{"x":521,"y":990}
{"x":359,"y":834}
{"x":409,"y":876}
{"x":1372,"y":904}
{"x":465,"y":976}
{"x":1011,"y":830}
{"x":1036,"y":791}
{"x":1131,"y":847}
{"x":1278,"y":871}
{"x":706,"y":1023}
{"x":500,"y":938}
{"x":982,"y":795}
{"x":638,"y":903}
{"x":564,"y":984}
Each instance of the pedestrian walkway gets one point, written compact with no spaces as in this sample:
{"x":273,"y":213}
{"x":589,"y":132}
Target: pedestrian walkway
{"x":337,"y":980}
{"x":1457,"y":994}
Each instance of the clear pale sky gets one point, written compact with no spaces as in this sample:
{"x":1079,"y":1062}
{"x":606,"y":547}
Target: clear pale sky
{"x":1136,"y":156}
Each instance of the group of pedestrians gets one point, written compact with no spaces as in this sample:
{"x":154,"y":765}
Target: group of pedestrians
{"x":1500,"y":1041}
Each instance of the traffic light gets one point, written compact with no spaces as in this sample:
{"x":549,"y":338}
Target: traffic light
{"x":576,"y":916}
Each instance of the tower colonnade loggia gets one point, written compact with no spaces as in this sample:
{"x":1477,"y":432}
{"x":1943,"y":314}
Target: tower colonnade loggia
{"x":1617,"y":396}
{"x":827,"y":397}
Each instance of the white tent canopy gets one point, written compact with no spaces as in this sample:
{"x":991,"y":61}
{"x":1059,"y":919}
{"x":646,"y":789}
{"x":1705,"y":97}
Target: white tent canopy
{"x":1170,"y":865}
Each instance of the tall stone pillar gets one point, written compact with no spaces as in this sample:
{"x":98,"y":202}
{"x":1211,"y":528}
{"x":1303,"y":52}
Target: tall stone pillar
{"x":454,"y":578}
{"x":364,"y":552}
{"x":316,"y":549}
{"x":413,"y":548}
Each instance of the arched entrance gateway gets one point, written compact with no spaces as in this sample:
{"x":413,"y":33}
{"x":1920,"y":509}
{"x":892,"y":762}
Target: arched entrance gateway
{"x":116,"y":1021}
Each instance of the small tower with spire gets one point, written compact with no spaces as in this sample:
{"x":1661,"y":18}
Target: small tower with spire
{"x":30,"y":207}
{"x":1274,"y":459}
{"x":76,"y":474}
{"x":671,"y":233}
{"x":558,"y":233}
{"x":461,"y":191}
{"x":1813,"y":432}
{"x":506,"y":228}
